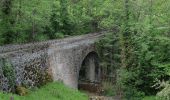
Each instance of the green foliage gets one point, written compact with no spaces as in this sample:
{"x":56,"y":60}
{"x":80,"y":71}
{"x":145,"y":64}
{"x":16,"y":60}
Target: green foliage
{"x":108,"y":88}
{"x":41,"y":37}
{"x":52,"y":91}
{"x":150,"y":98}
{"x":109,"y":50}
{"x":25,"y":18}
{"x":9,"y":73}
{"x":22,"y":91}
{"x":59,"y":35}
{"x":148,"y":61}
{"x":141,"y":47}
{"x":152,"y":61}
{"x":137,"y":51}
{"x":37,"y":20}
{"x":127,"y":90}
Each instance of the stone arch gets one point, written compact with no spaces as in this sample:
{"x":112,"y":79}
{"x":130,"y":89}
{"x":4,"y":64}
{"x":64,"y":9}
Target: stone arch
{"x":89,"y":71}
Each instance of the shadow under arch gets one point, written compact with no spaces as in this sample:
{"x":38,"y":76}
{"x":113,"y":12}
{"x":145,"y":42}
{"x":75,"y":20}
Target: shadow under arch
{"x":90,"y":71}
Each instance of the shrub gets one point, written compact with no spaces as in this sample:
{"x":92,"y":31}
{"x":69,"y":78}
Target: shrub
{"x":22,"y":91}
{"x":9,"y":74}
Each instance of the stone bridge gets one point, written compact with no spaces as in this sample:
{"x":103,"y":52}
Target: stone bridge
{"x":68,"y":60}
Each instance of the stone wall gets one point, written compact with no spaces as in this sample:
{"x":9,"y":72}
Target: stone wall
{"x":29,"y":66}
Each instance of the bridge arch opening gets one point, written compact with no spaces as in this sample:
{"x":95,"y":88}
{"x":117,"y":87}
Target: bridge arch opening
{"x":89,"y":74}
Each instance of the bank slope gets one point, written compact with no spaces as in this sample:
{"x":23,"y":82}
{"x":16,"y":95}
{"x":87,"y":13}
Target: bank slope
{"x":52,"y":91}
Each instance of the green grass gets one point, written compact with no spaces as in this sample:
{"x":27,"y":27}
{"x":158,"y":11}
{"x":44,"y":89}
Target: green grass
{"x":149,"y":98}
{"x":52,"y":91}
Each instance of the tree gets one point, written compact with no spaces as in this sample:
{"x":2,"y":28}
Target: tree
{"x":6,"y":21}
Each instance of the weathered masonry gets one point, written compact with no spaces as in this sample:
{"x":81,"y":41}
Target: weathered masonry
{"x":66,"y":60}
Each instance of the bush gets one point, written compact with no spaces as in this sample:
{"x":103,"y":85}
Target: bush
{"x":108,"y":88}
{"x":59,"y":35}
{"x":151,"y":62}
{"x":8,"y":74}
{"x":41,"y":37}
{"x":22,"y":91}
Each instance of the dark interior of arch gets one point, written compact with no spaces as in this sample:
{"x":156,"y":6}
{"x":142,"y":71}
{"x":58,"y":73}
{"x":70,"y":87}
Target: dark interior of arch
{"x":90,"y":71}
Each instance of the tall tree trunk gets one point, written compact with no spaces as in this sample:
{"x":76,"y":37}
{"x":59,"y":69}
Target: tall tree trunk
{"x":150,"y":15}
{"x":33,"y":26}
{"x":124,"y":38}
{"x":18,"y":18}
{"x":125,"y":35}
{"x":64,"y":15}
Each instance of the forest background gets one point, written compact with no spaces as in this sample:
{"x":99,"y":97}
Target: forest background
{"x":136,"y":52}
